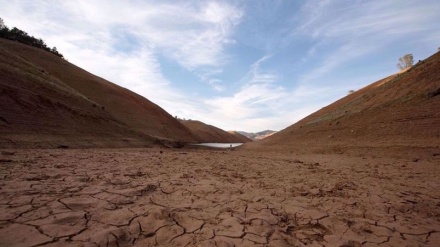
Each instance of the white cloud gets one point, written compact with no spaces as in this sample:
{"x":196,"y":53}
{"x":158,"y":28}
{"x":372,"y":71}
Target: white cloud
{"x":262,"y":106}
{"x":332,"y":19}
{"x":193,"y":33}
{"x":335,"y":59}
{"x":209,"y":75}
{"x":255,"y":76}
{"x":258,"y":101}
{"x":344,"y":34}
{"x":262,"y":102}
{"x":121,"y":41}
{"x":124,"y":42}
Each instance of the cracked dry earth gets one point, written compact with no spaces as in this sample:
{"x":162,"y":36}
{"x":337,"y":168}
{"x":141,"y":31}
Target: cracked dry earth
{"x":155,"y":197}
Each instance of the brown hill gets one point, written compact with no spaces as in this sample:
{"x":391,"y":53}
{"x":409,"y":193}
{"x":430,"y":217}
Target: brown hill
{"x":45,"y":99}
{"x":241,"y":138}
{"x":209,"y":133}
{"x":400,"y":111}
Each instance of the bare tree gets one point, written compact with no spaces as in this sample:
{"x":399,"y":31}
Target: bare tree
{"x":405,"y":62}
{"x":2,"y":23}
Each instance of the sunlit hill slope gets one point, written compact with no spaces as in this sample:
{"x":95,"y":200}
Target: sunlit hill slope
{"x":402,"y":110}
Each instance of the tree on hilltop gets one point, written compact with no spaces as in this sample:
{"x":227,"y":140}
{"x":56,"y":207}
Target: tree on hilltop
{"x":23,"y":37}
{"x":4,"y":30}
{"x":405,"y":62}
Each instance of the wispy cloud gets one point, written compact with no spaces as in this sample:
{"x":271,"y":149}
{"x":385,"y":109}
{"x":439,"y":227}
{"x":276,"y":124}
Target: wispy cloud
{"x":258,"y":96}
{"x":193,"y":35}
{"x":344,"y":34}
{"x":209,"y":75}
{"x":333,"y":19}
{"x":266,"y":64}
{"x":122,"y":41}
{"x":256,"y":76}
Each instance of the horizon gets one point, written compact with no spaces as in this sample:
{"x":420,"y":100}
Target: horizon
{"x":235,"y":65}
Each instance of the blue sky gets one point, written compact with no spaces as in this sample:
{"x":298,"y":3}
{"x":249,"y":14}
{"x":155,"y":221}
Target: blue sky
{"x":238,"y":65}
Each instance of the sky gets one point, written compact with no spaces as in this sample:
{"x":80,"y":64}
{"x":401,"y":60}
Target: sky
{"x":238,"y":65}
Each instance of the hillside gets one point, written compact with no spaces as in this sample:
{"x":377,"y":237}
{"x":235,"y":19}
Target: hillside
{"x":241,"y":138}
{"x":209,"y":133}
{"x":402,"y":110}
{"x":39,"y":110}
{"x":46,"y":100}
{"x":258,"y":135}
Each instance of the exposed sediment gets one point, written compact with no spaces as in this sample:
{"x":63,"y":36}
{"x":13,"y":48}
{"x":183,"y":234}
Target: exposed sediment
{"x":149,"y":197}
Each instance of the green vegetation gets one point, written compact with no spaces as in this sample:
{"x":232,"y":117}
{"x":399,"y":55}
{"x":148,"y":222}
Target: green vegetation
{"x":405,"y":62}
{"x":23,"y":37}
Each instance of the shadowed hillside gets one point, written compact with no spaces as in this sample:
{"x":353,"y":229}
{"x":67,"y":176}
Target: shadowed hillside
{"x":45,"y":98}
{"x":402,"y":110}
{"x":209,"y":133}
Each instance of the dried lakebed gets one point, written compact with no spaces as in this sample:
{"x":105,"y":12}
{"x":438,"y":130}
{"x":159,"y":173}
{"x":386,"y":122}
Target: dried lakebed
{"x":155,"y":197}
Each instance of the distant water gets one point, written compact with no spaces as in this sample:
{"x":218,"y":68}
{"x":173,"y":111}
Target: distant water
{"x":219,"y":145}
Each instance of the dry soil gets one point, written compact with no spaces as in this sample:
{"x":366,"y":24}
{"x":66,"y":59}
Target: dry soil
{"x":170,"y":197}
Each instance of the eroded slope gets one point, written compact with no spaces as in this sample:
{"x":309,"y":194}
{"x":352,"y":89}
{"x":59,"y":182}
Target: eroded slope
{"x":128,"y":108}
{"x":39,"y":110}
{"x":402,"y":110}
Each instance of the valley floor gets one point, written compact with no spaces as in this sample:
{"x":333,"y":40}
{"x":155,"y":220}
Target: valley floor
{"x":164,"y":197}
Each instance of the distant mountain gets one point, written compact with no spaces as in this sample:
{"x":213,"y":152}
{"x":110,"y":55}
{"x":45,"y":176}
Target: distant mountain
{"x":399,"y":111}
{"x":240,"y":137}
{"x":208,"y":133}
{"x":259,"y":135}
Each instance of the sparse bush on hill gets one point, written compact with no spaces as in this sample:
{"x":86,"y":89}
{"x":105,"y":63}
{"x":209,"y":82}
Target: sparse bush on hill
{"x":351,"y":91}
{"x":405,"y":62}
{"x":23,"y":37}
